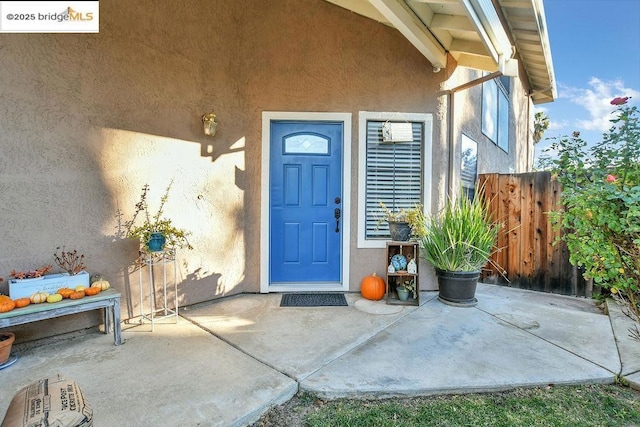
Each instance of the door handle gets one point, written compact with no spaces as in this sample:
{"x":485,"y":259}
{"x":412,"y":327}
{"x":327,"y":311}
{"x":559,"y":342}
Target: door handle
{"x":337,"y":213}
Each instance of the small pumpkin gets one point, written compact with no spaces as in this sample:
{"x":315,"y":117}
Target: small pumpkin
{"x":39,"y":297}
{"x":91,"y":291}
{"x":76,"y":295}
{"x":372,"y":287}
{"x":65,"y":292}
{"x":102,"y":284}
{"x":22,"y":302}
{"x":6,"y":304}
{"x":53,"y":298}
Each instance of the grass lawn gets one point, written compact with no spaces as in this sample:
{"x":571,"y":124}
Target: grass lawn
{"x":588,"y":405}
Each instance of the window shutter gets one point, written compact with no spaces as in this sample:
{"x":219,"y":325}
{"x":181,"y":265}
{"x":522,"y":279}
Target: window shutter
{"x":394,"y":176}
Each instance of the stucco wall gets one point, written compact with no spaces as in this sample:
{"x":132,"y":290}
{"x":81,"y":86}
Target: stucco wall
{"x":468,"y":121}
{"x":87,"y":119}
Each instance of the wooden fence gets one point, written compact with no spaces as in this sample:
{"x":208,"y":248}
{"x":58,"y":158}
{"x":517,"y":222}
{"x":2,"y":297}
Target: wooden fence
{"x":526,"y":256}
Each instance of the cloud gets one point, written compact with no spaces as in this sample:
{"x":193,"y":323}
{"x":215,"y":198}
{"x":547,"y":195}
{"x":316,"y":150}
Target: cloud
{"x":558,"y":124}
{"x":596,"y":100}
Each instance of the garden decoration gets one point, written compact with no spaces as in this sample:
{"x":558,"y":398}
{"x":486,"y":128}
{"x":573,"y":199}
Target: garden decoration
{"x":373,"y":287}
{"x":37,"y":286}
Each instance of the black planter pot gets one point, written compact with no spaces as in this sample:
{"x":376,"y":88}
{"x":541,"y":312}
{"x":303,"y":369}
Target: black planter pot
{"x":458,"y":288}
{"x":399,"y":231}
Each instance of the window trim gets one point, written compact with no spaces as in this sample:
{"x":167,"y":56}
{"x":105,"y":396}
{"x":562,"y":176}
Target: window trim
{"x":427,"y":122}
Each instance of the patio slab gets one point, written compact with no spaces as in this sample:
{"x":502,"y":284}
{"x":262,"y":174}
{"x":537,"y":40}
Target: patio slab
{"x":229,"y":361}
{"x":628,"y":348}
{"x":295,"y":340}
{"x":441,"y":349}
{"x":178,"y":375}
{"x":576,"y":325}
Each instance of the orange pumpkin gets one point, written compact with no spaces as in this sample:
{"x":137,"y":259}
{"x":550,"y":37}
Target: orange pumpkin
{"x":77,"y":295}
{"x":6,"y":304}
{"x":65,"y":292}
{"x":372,"y":287}
{"x":91,"y":291}
{"x":22,"y":302}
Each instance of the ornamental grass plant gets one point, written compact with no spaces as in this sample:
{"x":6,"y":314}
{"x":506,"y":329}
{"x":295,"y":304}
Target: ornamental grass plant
{"x":461,"y":237}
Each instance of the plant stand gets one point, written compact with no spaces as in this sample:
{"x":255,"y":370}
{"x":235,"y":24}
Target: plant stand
{"x":161,"y":259}
{"x":409,"y":250}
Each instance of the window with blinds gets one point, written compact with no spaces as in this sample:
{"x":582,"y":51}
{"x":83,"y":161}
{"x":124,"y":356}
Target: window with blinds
{"x":393,"y":176}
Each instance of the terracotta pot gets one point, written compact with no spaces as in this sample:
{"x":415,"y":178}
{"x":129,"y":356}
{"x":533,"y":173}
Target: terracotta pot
{"x":6,"y":342}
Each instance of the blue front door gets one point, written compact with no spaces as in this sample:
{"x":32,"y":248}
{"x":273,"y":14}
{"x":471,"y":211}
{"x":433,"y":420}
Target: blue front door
{"x":305,"y":202}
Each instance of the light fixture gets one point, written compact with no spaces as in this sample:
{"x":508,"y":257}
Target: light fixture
{"x":210,"y":125}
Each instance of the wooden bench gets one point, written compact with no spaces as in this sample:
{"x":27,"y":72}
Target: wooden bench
{"x":109,"y":300}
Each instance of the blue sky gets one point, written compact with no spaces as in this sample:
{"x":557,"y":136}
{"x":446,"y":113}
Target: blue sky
{"x":595,"y":46}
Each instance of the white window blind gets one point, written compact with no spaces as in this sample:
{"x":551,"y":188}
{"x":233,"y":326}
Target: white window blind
{"x":393,"y":176}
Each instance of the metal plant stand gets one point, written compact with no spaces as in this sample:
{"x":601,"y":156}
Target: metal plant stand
{"x":163,"y":259}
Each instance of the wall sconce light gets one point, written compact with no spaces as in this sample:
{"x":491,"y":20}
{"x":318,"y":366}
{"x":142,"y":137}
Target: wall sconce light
{"x":210,"y":125}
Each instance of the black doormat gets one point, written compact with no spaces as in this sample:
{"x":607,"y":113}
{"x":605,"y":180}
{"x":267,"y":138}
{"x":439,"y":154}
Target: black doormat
{"x":313,"y":300}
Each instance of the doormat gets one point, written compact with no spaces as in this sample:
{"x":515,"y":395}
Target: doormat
{"x":313,"y":300}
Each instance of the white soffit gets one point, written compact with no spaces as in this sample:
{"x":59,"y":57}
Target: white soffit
{"x":480,"y":34}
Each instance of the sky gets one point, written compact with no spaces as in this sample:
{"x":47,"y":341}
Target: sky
{"x":595,"y":45}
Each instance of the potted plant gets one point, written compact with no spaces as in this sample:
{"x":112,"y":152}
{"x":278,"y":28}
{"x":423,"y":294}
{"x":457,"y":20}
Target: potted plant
{"x":29,"y":282}
{"x":156,"y":232}
{"x":402,"y":223}
{"x":458,"y":243}
{"x":406,"y":288}
{"x":6,"y":341}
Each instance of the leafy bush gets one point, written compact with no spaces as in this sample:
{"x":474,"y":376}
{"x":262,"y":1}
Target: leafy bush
{"x":601,"y":199}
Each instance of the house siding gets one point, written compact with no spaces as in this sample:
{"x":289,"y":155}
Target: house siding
{"x":87,"y":119}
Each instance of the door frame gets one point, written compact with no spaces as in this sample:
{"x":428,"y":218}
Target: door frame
{"x":265,"y":193}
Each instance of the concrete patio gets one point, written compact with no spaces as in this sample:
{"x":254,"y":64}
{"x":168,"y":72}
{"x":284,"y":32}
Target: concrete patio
{"x":227,"y":362}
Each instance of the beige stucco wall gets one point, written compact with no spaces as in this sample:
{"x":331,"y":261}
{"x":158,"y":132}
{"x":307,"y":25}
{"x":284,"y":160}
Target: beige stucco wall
{"x":468,"y":121}
{"x":87,"y":119}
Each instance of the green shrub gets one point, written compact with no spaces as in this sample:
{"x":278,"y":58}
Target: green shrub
{"x":601,"y":200}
